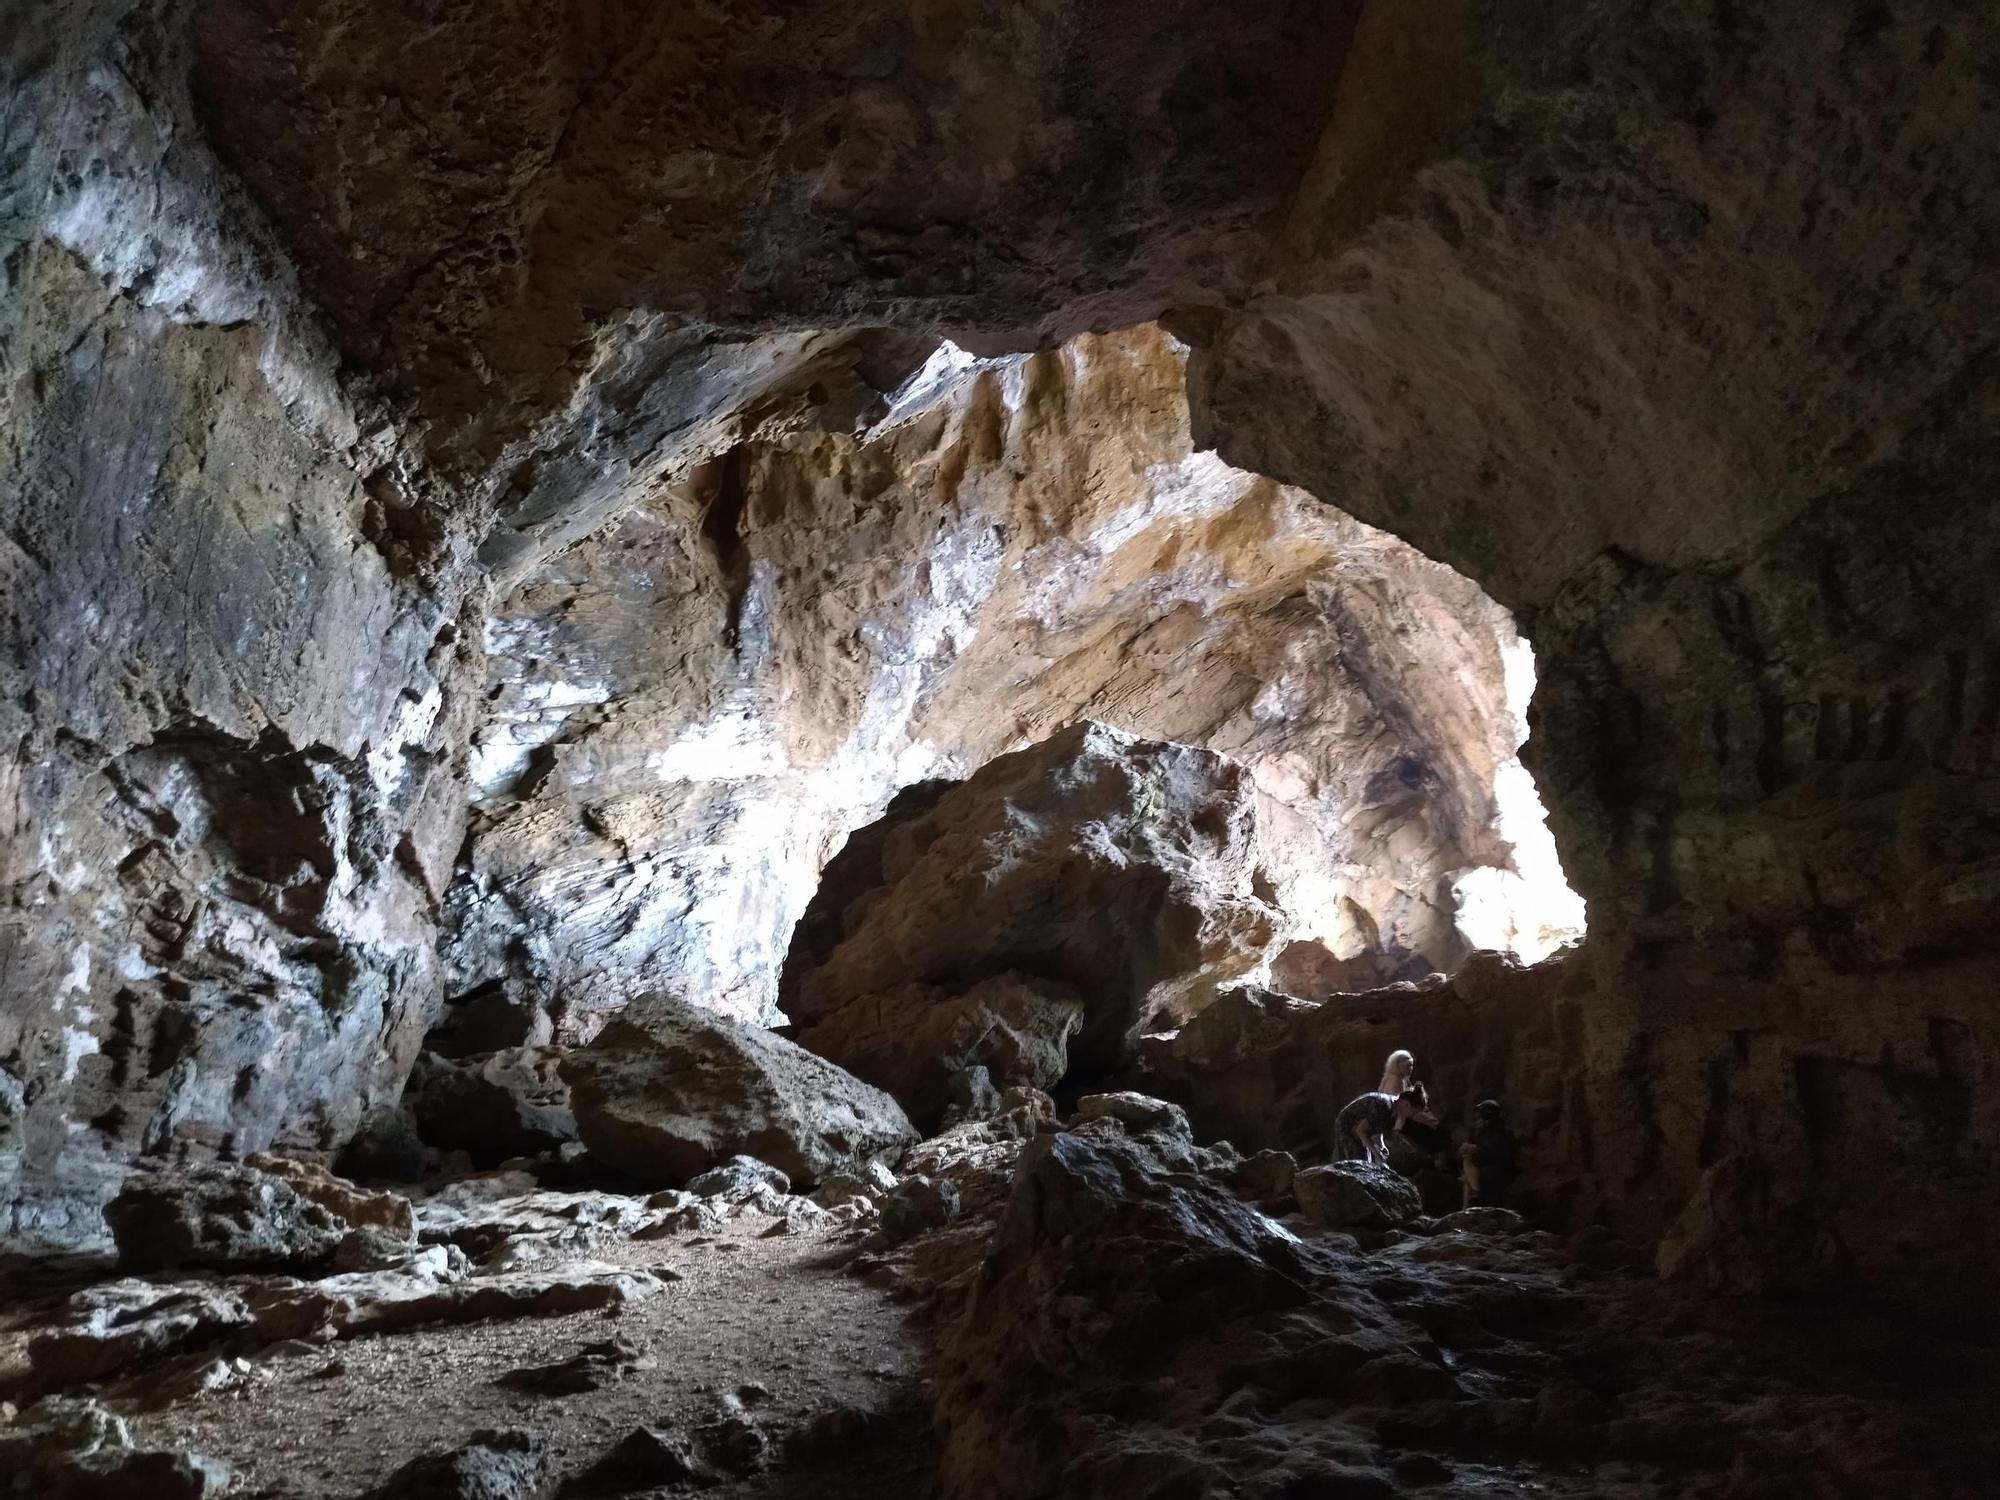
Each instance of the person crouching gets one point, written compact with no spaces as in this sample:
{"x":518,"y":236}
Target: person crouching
{"x":1361,"y":1130}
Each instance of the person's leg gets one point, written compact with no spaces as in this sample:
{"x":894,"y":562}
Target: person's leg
{"x":1468,"y":1172}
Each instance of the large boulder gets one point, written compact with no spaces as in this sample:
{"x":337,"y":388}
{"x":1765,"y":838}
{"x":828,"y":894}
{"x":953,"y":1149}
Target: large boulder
{"x":1125,"y":868}
{"x":667,"y":1091}
{"x":1356,"y":1195}
{"x":1124,"y":1279}
{"x":222,"y":1217}
{"x":914,"y":1039}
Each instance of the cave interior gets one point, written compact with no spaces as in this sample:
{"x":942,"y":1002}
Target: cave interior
{"x":731,"y":737}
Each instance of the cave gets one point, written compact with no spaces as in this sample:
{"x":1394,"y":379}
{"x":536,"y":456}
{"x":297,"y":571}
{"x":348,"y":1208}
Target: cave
{"x":738,"y":731}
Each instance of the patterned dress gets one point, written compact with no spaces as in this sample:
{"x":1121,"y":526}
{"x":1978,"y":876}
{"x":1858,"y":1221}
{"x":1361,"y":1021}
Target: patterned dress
{"x":1379,"y":1113}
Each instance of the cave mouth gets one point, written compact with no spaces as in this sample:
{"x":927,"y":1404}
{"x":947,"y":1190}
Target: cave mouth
{"x":692,"y":710}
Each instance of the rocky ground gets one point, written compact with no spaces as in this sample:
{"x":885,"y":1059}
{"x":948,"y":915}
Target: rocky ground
{"x":1096,"y":1308}
{"x":800,"y":1379}
{"x":758,"y":1323}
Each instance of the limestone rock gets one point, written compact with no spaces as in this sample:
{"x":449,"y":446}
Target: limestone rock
{"x":869,"y":1186}
{"x":67,"y":1449}
{"x":494,"y":1106}
{"x":667,"y":1091}
{"x":739,"y":1178}
{"x":440,"y":1292}
{"x":1356,"y":1195}
{"x":519,"y":1228}
{"x":646,"y":1458}
{"x":220,"y":1217}
{"x":697,"y":1216}
{"x":1114,"y":1264}
{"x":1136,"y":1112}
{"x":1120,"y":866}
{"x":919,"y":1204}
{"x":492,"y":1465}
{"x":359,"y":1206}
{"x":912,"y":1040}
{"x":801,"y":1216}
{"x":373,"y":1249}
{"x":117,"y":1325}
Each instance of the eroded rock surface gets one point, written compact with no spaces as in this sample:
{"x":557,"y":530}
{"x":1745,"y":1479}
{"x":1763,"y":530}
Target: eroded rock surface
{"x":692,"y":710}
{"x":221,"y":1218}
{"x":69,"y":1449}
{"x":668,"y":1090}
{"x":1136,"y":1329}
{"x":1122,"y":868}
{"x":918,"y":1042}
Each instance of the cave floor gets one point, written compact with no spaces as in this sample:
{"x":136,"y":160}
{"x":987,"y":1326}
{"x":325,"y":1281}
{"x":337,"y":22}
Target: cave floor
{"x":1700,"y":1397}
{"x":771,"y":1321}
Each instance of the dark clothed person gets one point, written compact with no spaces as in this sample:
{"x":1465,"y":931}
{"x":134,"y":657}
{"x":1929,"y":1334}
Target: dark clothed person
{"x":1490,"y":1158}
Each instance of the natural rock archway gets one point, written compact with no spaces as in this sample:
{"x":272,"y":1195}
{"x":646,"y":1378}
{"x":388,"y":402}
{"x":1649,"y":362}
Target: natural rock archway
{"x":691,"y":710}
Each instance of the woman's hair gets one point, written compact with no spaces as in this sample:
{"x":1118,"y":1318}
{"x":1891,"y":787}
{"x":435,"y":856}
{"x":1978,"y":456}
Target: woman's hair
{"x":1399,"y":1056}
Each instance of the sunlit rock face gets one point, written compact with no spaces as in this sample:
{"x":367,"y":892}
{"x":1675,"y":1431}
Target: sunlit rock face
{"x":691,"y":710}
{"x":228,"y":806}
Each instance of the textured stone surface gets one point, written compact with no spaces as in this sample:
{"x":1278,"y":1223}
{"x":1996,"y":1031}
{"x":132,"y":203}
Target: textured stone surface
{"x":1136,"y":1112}
{"x":493,"y":1106}
{"x":668,"y":1090}
{"x":492,"y":1465}
{"x":1724,"y":440}
{"x":370,"y":1302}
{"x":691,"y":711}
{"x":1126,"y":869}
{"x":69,"y":1449}
{"x":226,"y":1218}
{"x":1356,"y":1195}
{"x":359,"y":1206}
{"x":117,"y":1324}
{"x":914,"y":1040}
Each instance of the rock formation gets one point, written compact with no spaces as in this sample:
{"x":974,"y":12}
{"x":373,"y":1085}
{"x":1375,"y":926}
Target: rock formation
{"x":918,"y":1041}
{"x":669,"y":1090}
{"x":690,"y":711}
{"x":1125,"y":870}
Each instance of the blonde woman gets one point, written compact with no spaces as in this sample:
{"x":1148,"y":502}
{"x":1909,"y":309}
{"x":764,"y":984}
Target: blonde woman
{"x":1397,"y":1073}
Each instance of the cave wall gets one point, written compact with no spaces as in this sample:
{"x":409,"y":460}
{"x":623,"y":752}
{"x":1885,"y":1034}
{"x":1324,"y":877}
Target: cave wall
{"x":689,"y":711}
{"x":323,"y":322}
{"x":1701,"y":292}
{"x":226,"y":808}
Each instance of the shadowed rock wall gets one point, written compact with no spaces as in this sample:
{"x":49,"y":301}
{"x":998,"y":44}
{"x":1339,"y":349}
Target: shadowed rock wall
{"x":1682,"y":331}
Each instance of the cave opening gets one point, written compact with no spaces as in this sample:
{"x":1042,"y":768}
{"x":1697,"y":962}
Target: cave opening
{"x":677,"y":742}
